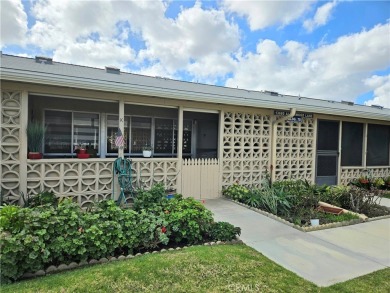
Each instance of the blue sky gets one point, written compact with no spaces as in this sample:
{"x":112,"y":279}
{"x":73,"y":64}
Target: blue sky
{"x":334,"y":50}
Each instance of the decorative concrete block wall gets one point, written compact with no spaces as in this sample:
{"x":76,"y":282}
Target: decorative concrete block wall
{"x":351,"y":173}
{"x":246,"y":148}
{"x":10,"y":132}
{"x":295,"y":150}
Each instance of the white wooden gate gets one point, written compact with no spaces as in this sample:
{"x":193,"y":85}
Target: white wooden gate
{"x":200,"y":178}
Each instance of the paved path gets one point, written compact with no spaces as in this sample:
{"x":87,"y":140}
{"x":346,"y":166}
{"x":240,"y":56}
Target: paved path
{"x":323,"y":257}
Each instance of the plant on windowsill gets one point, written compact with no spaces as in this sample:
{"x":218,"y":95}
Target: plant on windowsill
{"x":147,"y":151}
{"x":35,"y":133}
{"x":81,"y":151}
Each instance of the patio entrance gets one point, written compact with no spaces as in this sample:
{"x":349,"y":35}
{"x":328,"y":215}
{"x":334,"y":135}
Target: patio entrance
{"x":200,"y":178}
{"x":327,"y":152}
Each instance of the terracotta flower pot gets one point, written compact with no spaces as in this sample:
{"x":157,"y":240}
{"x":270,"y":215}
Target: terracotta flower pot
{"x":82,"y":151}
{"x":34,"y":156}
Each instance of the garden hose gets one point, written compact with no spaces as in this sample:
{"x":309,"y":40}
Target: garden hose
{"x":122,"y":167}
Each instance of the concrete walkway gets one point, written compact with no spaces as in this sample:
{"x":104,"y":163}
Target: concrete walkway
{"x":323,"y":257}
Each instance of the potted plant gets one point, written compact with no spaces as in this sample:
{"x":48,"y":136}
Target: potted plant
{"x":147,"y":151}
{"x":35,"y":134}
{"x":81,"y":151}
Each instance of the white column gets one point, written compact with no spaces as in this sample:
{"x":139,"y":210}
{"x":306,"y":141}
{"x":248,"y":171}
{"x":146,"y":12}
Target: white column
{"x":179,"y":149}
{"x":23,"y":143}
{"x":121,"y":124}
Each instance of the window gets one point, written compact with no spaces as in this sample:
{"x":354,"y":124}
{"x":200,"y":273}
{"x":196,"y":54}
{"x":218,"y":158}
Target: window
{"x":58,"y":136}
{"x":141,"y":133}
{"x":328,"y":135}
{"x":165,"y":136}
{"x":352,"y":144}
{"x":86,"y":130}
{"x":378,"y":141}
{"x":67,"y":130}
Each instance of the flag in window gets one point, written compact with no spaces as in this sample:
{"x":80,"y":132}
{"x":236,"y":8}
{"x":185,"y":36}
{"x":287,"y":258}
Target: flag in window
{"x":119,"y":138}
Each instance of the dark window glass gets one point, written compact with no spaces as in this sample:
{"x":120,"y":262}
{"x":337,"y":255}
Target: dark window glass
{"x":86,"y":131}
{"x":327,"y":165}
{"x":352,"y":144}
{"x":58,"y":137}
{"x":328,"y":135}
{"x":141,"y":133}
{"x":378,"y":140}
{"x":164,"y":138}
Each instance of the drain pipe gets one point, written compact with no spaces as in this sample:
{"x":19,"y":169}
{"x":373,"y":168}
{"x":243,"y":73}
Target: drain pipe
{"x":293,"y":111}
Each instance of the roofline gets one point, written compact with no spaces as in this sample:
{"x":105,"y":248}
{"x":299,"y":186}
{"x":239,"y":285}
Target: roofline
{"x":168,"y":88}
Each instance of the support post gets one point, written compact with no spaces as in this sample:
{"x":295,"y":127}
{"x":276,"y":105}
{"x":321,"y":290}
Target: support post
{"x":23,"y":144}
{"x":220,"y":149}
{"x":179,"y":149}
{"x":121,"y":124}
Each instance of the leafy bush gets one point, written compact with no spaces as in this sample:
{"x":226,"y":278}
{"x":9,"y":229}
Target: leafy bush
{"x":188,"y":220}
{"x":148,"y":199}
{"x":43,"y":198}
{"x":223,"y":231}
{"x":236,"y":192}
{"x":34,"y":238}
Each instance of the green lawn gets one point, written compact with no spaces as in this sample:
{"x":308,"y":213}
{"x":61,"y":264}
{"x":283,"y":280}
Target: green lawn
{"x":222,"y":268}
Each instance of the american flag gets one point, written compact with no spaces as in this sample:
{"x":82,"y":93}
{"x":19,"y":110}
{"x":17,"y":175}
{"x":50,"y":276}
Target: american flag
{"x":119,"y":138}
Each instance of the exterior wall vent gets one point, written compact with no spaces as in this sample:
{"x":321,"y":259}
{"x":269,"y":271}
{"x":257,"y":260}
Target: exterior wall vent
{"x":43,"y":60}
{"x":348,"y":103}
{"x":272,"y":93}
{"x":112,"y":69}
{"x":377,"y":106}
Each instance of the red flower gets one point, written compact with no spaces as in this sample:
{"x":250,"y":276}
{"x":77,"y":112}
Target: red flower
{"x":364,"y":181}
{"x":163,"y":229}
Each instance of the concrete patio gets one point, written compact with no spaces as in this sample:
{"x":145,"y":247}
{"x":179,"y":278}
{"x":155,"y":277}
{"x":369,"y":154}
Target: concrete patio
{"x":323,"y":257}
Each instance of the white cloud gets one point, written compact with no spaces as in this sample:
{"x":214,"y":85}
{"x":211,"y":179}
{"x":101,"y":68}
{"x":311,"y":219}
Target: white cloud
{"x":321,"y":16}
{"x":334,"y":71}
{"x":95,"y":31}
{"x":193,"y":35}
{"x":261,"y":14}
{"x":94,"y":53}
{"x":13,"y":22}
{"x":381,"y":87}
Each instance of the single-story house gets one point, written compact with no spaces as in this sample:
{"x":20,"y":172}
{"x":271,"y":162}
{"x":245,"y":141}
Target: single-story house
{"x":204,"y":138}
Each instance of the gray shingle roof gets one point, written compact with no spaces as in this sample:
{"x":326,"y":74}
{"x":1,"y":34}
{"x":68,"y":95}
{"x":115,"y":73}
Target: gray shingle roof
{"x":24,"y":69}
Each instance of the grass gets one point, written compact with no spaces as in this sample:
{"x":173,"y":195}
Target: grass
{"x":386,"y":195}
{"x":222,"y":268}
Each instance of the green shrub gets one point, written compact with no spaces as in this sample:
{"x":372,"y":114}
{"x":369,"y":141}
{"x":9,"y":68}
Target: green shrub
{"x":9,"y":219}
{"x":236,"y":192}
{"x":188,"y":220}
{"x":48,"y":234}
{"x":149,"y":199}
{"x":223,"y":231}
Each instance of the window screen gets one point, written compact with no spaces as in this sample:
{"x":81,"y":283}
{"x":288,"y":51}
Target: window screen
{"x":58,"y":136}
{"x":141,"y":133}
{"x":328,"y":135}
{"x":352,"y":144}
{"x":378,"y":140}
{"x":326,"y":165}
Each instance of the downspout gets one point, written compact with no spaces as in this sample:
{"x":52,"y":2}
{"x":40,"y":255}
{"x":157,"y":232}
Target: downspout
{"x":293,"y":111}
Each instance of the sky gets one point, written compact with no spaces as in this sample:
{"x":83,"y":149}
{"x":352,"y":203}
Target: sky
{"x":332,"y":50}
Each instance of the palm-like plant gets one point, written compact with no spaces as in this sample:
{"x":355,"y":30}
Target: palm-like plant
{"x":35,"y":132}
